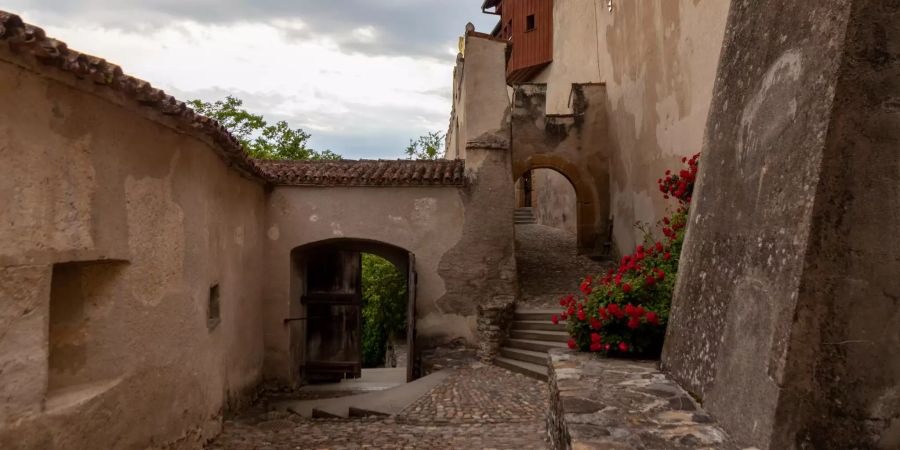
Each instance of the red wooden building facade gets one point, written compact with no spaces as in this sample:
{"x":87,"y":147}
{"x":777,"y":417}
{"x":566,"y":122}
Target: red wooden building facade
{"x":528,"y":26}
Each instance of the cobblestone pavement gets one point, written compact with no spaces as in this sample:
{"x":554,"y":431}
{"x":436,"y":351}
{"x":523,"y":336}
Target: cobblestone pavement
{"x":477,"y":407}
{"x":549,"y":266}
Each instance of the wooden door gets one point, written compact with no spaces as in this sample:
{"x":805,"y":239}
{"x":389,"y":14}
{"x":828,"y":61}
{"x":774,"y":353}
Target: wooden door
{"x":333,"y":301}
{"x":413,"y":363}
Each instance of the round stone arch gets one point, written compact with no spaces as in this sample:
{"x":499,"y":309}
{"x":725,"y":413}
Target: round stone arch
{"x":304,"y":255}
{"x":588,"y":220}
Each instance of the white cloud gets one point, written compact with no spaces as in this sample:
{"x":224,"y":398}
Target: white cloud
{"x":354,"y":90}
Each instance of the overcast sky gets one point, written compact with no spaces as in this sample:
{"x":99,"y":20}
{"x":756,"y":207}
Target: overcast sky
{"x":362,"y":76}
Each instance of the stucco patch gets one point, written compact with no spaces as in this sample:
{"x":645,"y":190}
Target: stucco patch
{"x":423,"y":213}
{"x":155,"y":237}
{"x":273,"y":233}
{"x":50,"y":204}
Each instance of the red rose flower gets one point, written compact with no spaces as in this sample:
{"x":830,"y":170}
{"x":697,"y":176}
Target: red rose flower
{"x":640,"y":311}
{"x":667,"y":255}
{"x":596,"y":347}
{"x":555,"y":320}
{"x":581,"y":315}
{"x":607,"y":347}
{"x":596,"y":324}
{"x":603,"y":313}
{"x":613,"y":309}
{"x":629,"y":309}
{"x":634,"y":322}
{"x":626,"y":288}
{"x":652,"y":318}
{"x":596,"y":337}
{"x":623,"y":346}
{"x":659,"y":247}
{"x":563,"y":316}
{"x":650,"y":280}
{"x":572,"y":344}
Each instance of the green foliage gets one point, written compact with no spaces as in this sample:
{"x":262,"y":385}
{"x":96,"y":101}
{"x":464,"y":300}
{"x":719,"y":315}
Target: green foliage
{"x":384,"y":307}
{"x":260,"y":140}
{"x":427,"y":146}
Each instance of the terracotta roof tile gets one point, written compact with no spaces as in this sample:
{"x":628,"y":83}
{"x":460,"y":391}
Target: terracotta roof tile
{"x":31,"y":42}
{"x":364,"y":173}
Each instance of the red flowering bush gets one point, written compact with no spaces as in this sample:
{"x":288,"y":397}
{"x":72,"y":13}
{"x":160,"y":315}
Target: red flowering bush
{"x":625,"y":310}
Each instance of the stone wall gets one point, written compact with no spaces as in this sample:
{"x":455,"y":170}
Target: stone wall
{"x":786,"y":304}
{"x":426,"y":221}
{"x":556,"y":204}
{"x":116,"y":223}
{"x":602,"y":403}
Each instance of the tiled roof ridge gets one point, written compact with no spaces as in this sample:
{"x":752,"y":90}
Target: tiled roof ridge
{"x":380,"y":172}
{"x":30,"y":41}
{"x":25,"y":39}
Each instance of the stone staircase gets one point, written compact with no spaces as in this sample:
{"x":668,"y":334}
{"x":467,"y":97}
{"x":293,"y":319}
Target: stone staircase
{"x":532,"y":335}
{"x":523,"y":216}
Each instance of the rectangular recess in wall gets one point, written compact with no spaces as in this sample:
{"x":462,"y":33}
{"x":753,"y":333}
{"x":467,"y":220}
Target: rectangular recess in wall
{"x":213,"y":316}
{"x":81,"y":352}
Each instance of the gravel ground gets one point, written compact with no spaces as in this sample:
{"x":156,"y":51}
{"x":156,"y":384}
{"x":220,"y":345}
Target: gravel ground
{"x":477,"y":407}
{"x":548,"y":265}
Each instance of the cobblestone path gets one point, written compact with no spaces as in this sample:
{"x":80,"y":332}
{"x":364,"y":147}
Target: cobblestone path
{"x":477,"y":407}
{"x":549,"y":266}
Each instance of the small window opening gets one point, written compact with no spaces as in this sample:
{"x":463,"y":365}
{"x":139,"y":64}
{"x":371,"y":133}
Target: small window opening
{"x":529,"y":23}
{"x":213,"y":316}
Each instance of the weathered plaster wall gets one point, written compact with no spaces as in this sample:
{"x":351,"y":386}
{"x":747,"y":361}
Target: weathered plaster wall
{"x":124,"y":358}
{"x":427,"y":221}
{"x":785,"y":317}
{"x":567,"y":144}
{"x":555,"y":202}
{"x":479,"y":106}
{"x":658,"y":61}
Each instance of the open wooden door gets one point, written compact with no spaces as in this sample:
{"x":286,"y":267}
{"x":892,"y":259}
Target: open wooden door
{"x":413,"y":363}
{"x":333,"y":301}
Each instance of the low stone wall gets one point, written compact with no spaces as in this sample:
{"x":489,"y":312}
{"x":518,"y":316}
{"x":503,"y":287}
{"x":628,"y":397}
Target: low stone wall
{"x":493,"y":325}
{"x":605,"y":403}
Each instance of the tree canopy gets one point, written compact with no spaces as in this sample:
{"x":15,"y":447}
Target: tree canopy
{"x":427,"y":146}
{"x":260,"y":140}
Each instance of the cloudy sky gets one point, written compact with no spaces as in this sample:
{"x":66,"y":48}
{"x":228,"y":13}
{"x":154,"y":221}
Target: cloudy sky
{"x":362,"y":76}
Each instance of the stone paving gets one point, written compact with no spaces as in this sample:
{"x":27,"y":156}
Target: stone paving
{"x":477,"y":407}
{"x":549,"y":266}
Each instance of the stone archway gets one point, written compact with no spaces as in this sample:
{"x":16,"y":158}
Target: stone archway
{"x":337,"y":261}
{"x":575,"y":145}
{"x":588,"y":220}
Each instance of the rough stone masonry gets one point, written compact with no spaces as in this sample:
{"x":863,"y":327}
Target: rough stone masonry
{"x":786,"y":317}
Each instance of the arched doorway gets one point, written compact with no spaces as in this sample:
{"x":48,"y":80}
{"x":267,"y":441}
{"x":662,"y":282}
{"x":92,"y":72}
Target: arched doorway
{"x":327,"y":300}
{"x":587,"y":221}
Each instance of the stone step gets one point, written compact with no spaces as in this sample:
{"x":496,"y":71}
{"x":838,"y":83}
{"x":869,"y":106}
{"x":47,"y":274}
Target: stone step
{"x":360,"y":412}
{"x":545,"y":325}
{"x":322,"y":414}
{"x":535,"y":314}
{"x":525,"y":368}
{"x":555,"y":336}
{"x":535,"y":346}
{"x":524,"y":355}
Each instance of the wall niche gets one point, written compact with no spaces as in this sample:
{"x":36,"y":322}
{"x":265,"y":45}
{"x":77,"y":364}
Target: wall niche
{"x":82,"y":351}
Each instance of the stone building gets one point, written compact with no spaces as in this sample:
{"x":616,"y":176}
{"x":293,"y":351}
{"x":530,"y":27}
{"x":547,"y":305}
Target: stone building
{"x":148,"y":265}
{"x":606,"y":95}
{"x":152,"y":276}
